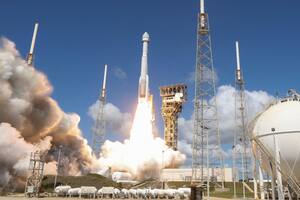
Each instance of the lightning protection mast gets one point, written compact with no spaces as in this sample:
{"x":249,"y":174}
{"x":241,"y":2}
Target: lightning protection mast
{"x":242,"y":156}
{"x":99,"y":126}
{"x":31,"y":51}
{"x":207,"y":152}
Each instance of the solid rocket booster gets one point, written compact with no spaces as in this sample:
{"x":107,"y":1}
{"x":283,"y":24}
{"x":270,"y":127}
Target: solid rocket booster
{"x":144,"y":79}
{"x":31,"y":51}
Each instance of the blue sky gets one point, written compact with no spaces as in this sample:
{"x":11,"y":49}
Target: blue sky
{"x":77,"y":38}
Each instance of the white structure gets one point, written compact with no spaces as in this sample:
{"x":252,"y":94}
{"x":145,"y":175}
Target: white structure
{"x":106,"y":192}
{"x":121,"y":176}
{"x":62,"y":190}
{"x":276,"y":141}
{"x":144,"y":79}
{"x":73,"y":192}
{"x":186,"y":174}
{"x":87,"y":191}
{"x":31,"y":51}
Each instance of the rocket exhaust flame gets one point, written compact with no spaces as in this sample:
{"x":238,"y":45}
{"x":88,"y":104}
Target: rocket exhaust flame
{"x":141,"y":155}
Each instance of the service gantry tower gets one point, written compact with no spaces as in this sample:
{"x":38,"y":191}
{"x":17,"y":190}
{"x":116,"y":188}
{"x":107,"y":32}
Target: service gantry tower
{"x":173,"y":97}
{"x":207,"y":152}
{"x":99,"y":126}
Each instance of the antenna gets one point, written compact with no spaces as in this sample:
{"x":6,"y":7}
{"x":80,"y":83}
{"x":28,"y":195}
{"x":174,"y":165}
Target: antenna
{"x":31,"y":51}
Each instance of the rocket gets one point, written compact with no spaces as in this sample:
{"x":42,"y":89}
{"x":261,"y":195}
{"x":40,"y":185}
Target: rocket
{"x":31,"y":51}
{"x":143,"y":92}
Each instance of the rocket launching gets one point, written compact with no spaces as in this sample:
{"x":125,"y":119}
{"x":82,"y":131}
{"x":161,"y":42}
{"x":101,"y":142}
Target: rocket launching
{"x":143,"y":92}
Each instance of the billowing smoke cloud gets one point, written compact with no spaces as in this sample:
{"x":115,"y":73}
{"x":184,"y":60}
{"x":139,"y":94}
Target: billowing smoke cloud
{"x":142,"y":155}
{"x":255,"y":102}
{"x":117,"y":122}
{"x":31,"y":120}
{"x":140,"y":162}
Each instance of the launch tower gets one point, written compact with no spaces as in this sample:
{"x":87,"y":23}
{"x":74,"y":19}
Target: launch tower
{"x":99,"y":126}
{"x":173,"y":97}
{"x":207,"y":152}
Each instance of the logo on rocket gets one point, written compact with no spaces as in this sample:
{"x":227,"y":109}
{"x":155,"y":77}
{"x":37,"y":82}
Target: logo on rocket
{"x":143,"y":93}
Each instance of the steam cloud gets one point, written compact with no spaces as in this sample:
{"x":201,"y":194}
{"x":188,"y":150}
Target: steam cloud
{"x":142,"y":155}
{"x":31,"y":120}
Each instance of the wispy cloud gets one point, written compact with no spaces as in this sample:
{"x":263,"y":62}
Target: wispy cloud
{"x":119,"y":73}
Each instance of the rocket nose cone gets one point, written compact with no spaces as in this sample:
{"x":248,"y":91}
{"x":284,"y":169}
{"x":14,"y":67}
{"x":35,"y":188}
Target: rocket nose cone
{"x":146,"y":37}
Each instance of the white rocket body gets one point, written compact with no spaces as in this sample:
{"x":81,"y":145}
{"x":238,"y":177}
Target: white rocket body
{"x":143,"y":92}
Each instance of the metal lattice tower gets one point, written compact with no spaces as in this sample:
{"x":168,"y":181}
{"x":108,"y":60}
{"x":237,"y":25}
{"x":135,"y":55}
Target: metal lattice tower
{"x":36,"y":168}
{"x":173,"y":97}
{"x":207,"y":152}
{"x":242,"y":155}
{"x":99,"y":126}
{"x":37,"y":158}
{"x":58,"y":166}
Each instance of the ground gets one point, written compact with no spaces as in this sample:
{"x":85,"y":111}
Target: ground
{"x":64,"y":198}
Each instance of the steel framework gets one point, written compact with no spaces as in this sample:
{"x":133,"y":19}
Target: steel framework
{"x":173,"y":97}
{"x":36,"y":168}
{"x":242,"y":154}
{"x":207,"y":152}
{"x":99,"y":126}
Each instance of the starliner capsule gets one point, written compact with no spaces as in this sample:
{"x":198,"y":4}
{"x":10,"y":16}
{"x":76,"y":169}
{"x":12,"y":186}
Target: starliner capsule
{"x":143,"y":92}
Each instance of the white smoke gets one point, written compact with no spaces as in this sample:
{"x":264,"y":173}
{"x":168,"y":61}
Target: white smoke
{"x":116,"y":121}
{"x":142,"y":155}
{"x":31,"y":120}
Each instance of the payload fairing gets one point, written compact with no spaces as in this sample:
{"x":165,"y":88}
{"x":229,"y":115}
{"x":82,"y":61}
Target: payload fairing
{"x":143,"y":93}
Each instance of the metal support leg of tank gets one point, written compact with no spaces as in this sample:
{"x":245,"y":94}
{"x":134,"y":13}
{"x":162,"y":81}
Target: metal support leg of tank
{"x":272,"y":181}
{"x":255,"y":178}
{"x":277,"y":168}
{"x":261,"y":183}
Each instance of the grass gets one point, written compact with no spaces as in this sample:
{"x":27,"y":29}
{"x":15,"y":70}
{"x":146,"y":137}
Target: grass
{"x":77,"y":181}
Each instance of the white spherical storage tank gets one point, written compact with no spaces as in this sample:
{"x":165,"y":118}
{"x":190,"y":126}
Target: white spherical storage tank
{"x":278,"y":127}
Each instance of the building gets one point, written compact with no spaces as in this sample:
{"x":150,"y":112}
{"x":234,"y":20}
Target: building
{"x":185,"y":174}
